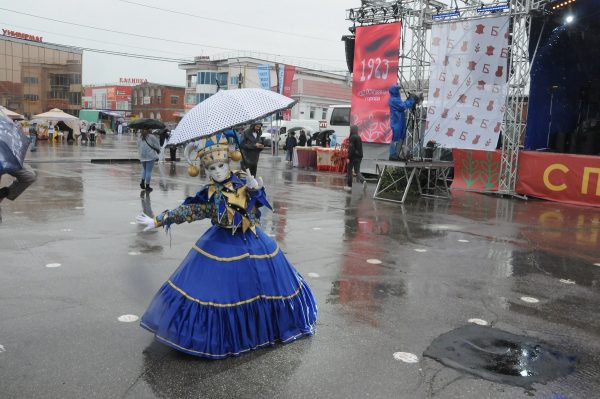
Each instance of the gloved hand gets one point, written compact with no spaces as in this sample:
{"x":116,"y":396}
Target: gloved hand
{"x":252,"y":183}
{"x":145,"y":220}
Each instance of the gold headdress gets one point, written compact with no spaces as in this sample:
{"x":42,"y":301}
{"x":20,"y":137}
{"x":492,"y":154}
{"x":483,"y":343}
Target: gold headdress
{"x":213,"y":148}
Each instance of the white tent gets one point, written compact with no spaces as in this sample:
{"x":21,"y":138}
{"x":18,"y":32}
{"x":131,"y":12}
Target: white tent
{"x":11,"y":114}
{"x":56,"y":114}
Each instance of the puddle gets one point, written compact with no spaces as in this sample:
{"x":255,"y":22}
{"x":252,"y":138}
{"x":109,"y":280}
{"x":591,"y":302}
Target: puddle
{"x":500,"y":356}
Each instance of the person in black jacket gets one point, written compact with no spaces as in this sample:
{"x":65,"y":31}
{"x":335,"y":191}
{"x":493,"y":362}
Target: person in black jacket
{"x":251,"y":147}
{"x":355,"y":155}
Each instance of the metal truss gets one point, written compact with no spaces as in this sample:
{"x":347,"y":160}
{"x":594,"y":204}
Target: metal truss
{"x":417,"y":17}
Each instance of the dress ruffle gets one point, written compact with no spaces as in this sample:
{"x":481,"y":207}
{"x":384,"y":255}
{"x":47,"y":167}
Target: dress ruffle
{"x":231,"y":294}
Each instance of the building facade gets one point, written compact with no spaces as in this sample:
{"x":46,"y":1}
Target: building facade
{"x":313,"y":90}
{"x":156,"y":101}
{"x":108,"y":97}
{"x":36,"y":76}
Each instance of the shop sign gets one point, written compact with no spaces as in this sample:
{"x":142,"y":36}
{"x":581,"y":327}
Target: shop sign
{"x":133,"y":81}
{"x":21,"y":35}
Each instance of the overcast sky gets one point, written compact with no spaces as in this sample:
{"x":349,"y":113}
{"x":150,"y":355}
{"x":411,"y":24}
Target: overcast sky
{"x":307,"y":29}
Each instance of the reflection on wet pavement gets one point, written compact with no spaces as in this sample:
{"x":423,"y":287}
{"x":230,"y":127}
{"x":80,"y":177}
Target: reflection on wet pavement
{"x":376,"y":294}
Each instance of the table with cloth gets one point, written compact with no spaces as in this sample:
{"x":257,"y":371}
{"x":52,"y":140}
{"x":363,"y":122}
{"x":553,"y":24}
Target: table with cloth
{"x":304,"y":157}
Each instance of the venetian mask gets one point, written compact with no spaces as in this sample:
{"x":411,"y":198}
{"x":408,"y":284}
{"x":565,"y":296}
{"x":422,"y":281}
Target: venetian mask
{"x":218,"y":171}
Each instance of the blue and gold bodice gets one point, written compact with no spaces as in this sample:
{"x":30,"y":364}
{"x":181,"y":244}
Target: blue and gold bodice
{"x":229,"y":204}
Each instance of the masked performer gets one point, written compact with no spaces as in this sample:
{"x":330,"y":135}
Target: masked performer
{"x":235,"y":291}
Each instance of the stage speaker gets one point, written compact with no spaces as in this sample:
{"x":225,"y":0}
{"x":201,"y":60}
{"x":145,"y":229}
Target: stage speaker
{"x":349,"y":47}
{"x":560,"y":142}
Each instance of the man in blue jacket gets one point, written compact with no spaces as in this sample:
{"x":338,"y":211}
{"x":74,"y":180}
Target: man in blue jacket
{"x":398,"y":119}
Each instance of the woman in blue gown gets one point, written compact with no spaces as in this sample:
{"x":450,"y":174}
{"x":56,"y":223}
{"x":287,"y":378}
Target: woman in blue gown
{"x":235,"y":291}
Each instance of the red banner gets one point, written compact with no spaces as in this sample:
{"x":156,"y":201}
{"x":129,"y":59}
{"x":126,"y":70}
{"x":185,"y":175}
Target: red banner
{"x":288,"y":79}
{"x":375,"y":70}
{"x":476,"y":170}
{"x":574,"y":179}
{"x":568,"y":178}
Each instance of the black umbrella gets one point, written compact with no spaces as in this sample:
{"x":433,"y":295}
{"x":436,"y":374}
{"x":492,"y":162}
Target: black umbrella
{"x":145,"y":123}
{"x":13,"y":145}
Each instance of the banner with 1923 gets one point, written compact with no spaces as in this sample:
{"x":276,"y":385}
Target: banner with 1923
{"x":375,"y":70}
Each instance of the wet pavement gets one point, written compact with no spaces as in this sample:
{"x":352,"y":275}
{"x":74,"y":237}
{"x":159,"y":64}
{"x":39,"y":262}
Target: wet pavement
{"x":389,"y":280}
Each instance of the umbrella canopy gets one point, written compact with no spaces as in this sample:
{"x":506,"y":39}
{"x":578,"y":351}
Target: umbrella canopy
{"x":13,"y":145}
{"x":56,"y":114}
{"x":226,"y":109}
{"x":145,"y":123}
{"x":11,"y":114}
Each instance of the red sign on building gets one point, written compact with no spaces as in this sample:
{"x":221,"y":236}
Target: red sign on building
{"x":21,"y":35}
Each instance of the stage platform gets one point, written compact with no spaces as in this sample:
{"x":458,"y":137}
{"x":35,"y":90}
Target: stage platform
{"x":436,"y":185}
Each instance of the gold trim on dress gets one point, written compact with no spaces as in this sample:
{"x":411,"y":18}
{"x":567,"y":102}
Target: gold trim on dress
{"x":228,"y":305}
{"x":234,"y":258}
{"x":224,"y":354}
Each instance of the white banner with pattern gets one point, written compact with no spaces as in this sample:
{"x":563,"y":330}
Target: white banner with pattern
{"x":467,"y":86}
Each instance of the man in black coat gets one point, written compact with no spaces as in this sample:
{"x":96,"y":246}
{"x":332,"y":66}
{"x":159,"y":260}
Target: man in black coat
{"x":355,"y":156}
{"x":251,"y":147}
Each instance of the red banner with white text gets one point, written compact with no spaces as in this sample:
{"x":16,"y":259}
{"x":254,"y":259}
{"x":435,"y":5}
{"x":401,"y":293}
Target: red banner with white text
{"x":288,"y":79}
{"x":376,"y":52}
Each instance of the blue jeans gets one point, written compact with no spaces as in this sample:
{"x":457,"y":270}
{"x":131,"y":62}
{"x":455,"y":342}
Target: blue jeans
{"x":147,"y":171}
{"x":33,"y":139}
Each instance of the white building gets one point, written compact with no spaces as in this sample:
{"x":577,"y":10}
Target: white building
{"x":314,"y":90}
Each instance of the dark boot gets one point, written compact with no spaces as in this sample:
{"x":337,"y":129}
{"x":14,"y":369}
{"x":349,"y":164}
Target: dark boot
{"x":148,"y":188}
{"x":143,"y":184}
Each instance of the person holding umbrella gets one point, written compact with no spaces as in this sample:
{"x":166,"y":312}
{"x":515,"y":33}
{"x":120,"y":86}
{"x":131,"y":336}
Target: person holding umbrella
{"x":235,"y":291}
{"x":148,"y":150}
{"x":13,"y":147}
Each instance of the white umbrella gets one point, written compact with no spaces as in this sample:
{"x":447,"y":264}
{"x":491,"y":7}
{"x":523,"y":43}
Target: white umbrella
{"x":56,"y":114}
{"x":226,"y":109}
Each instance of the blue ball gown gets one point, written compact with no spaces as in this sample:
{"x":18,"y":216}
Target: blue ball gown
{"x":235,"y":291}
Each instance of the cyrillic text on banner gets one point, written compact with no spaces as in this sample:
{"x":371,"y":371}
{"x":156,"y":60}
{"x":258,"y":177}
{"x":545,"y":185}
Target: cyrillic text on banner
{"x":264,"y":76}
{"x":467,"y":86}
{"x":376,"y":52}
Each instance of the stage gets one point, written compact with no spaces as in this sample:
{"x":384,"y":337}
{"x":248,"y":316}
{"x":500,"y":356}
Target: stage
{"x":435,"y":185}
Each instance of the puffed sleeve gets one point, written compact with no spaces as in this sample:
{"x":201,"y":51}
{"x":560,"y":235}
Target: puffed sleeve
{"x":192,"y":209}
{"x":183,"y":213}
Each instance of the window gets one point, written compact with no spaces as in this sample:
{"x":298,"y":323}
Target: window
{"x":30,"y":80}
{"x":201,"y":97}
{"x":135,"y":102}
{"x":158,"y":115}
{"x":208,"y":78}
{"x":340,"y":117}
{"x":190,"y":99}
{"x":324,"y":114}
{"x":174,"y":100}
{"x":312,"y":113}
{"x":191,"y":80}
{"x":234,"y":80}
{"x":151,"y":115}
{"x":222,"y":79}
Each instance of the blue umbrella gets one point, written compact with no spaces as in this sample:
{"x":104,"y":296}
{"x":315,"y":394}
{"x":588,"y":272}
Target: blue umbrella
{"x":13,"y":145}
